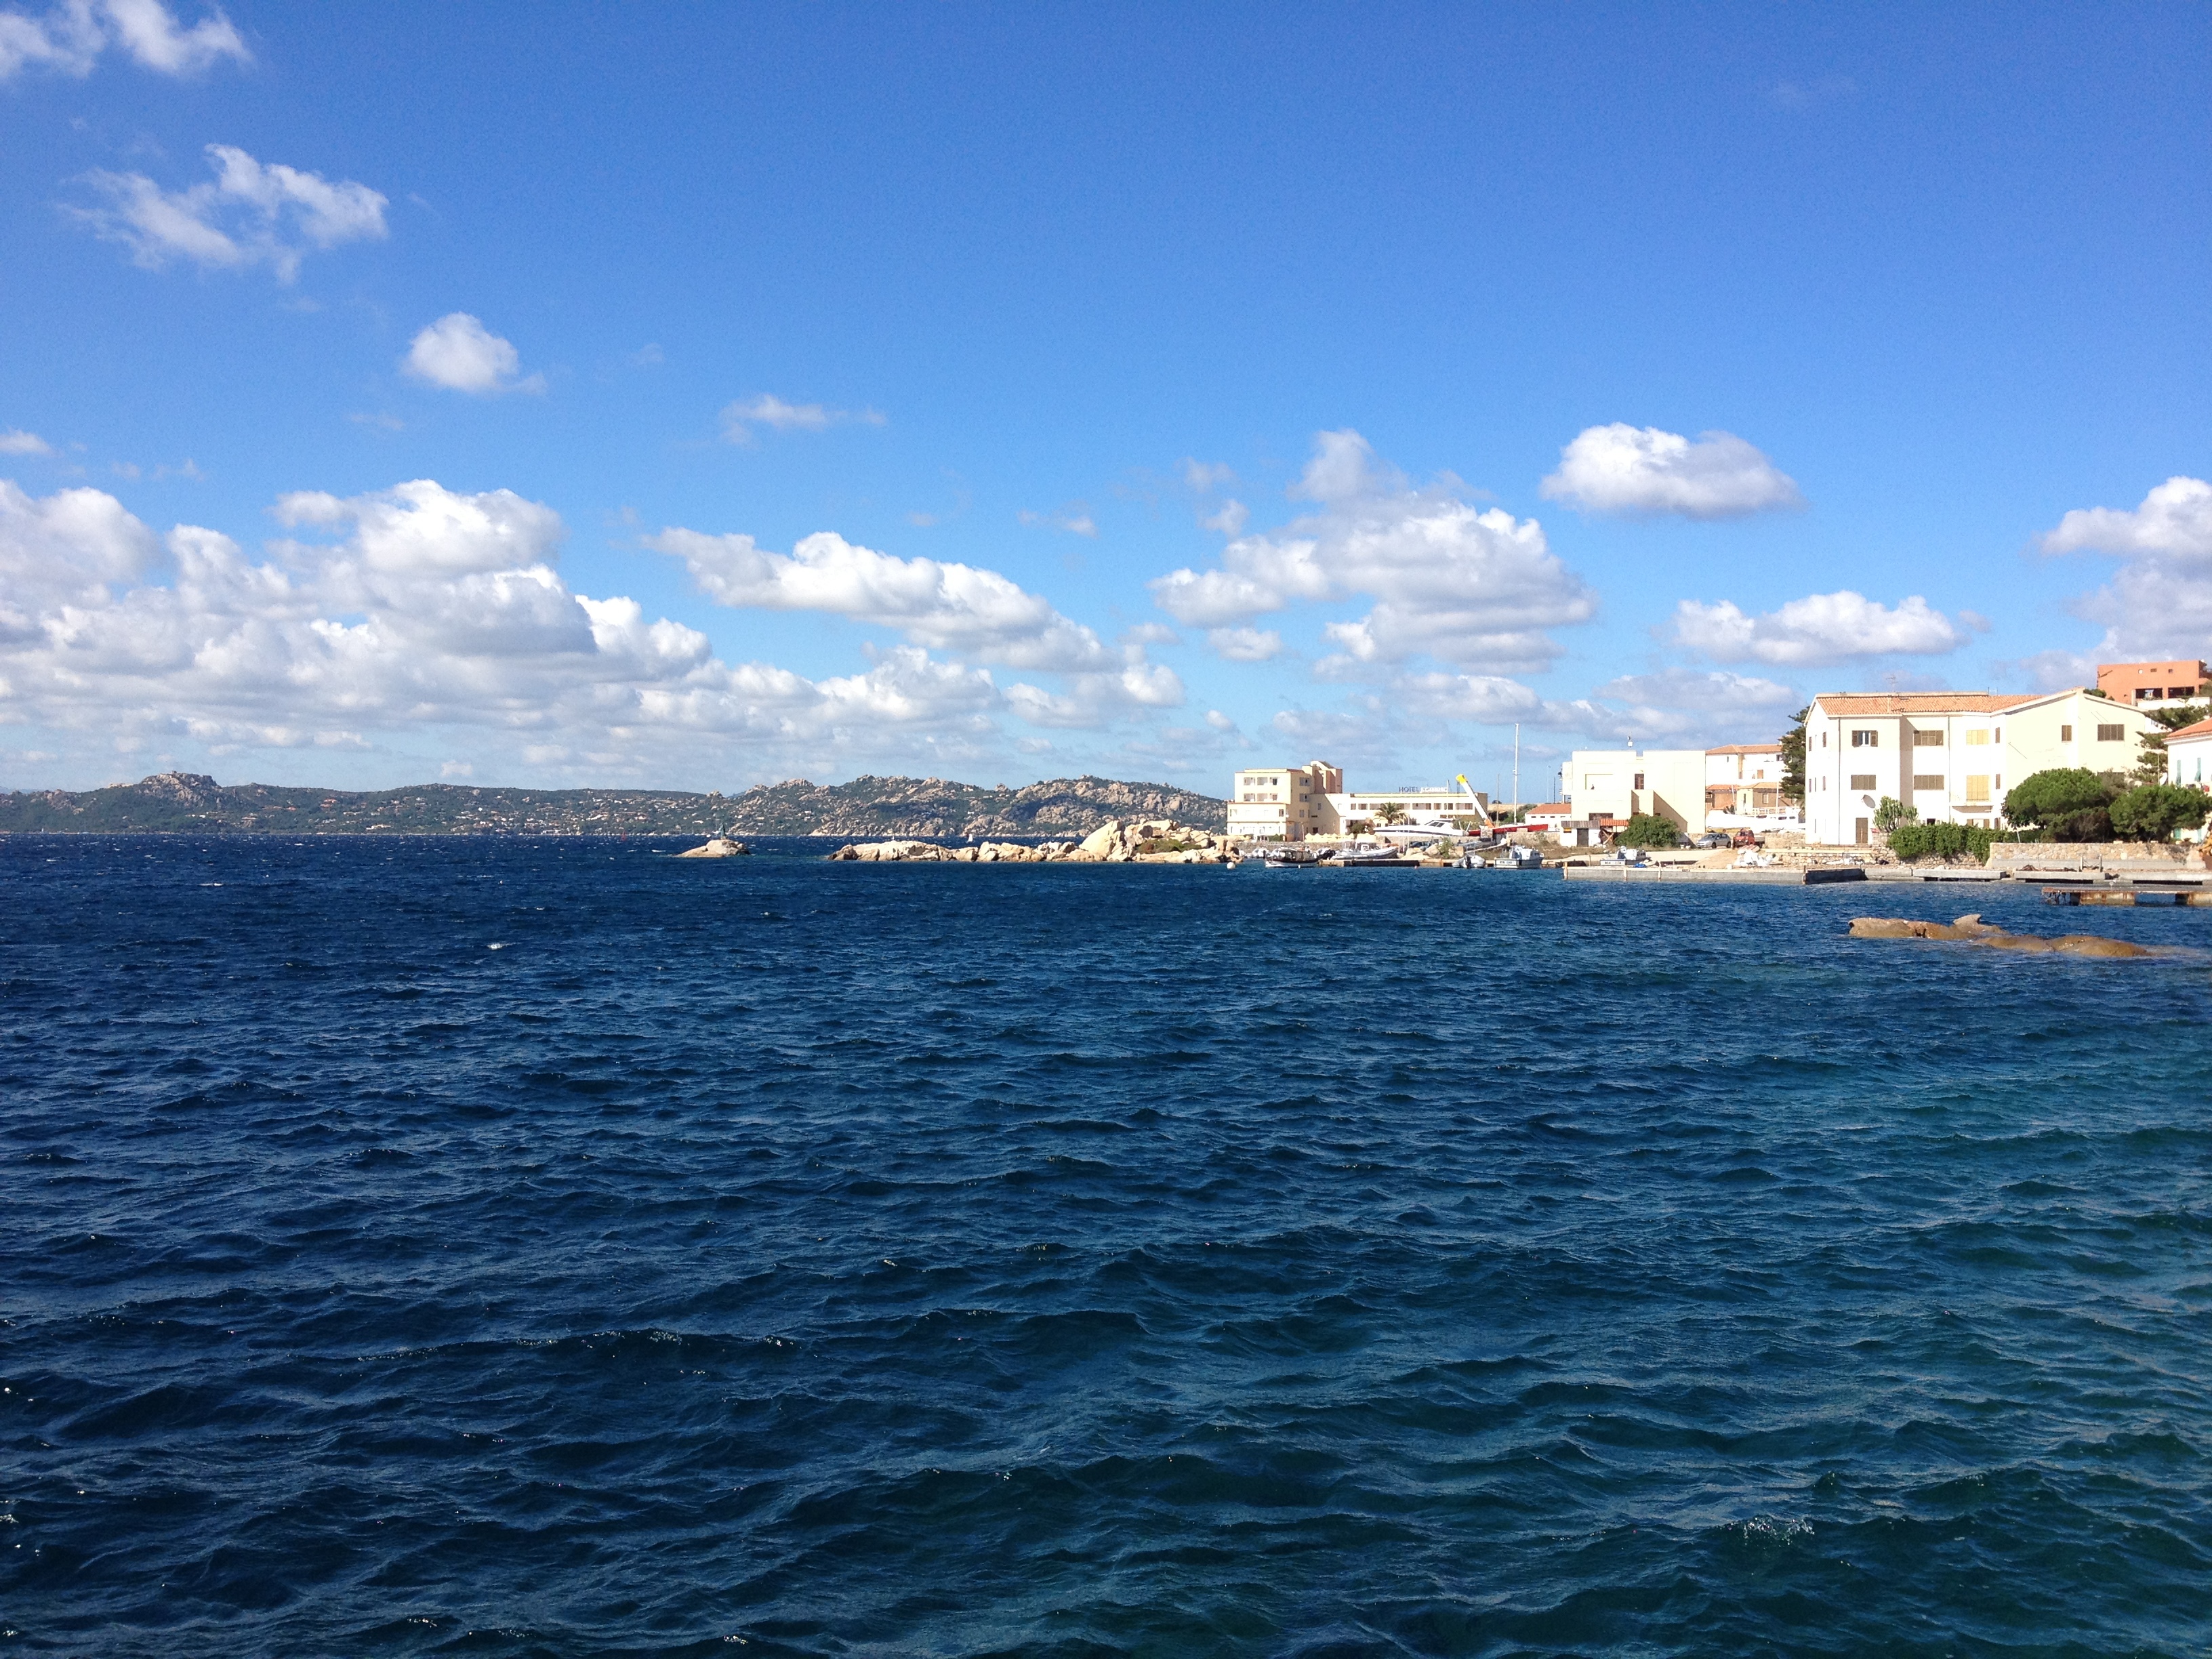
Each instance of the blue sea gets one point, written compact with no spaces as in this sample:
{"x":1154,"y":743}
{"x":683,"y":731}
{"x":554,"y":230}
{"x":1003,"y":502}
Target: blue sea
{"x":553,"y":1248}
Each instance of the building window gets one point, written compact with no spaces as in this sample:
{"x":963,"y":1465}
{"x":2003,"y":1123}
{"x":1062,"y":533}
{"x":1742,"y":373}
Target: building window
{"x":2065,"y":734}
{"x":1927,"y":780}
{"x":2112,"y":733}
{"x":1978,"y":789}
{"x":1862,"y":739}
{"x":1927,"y":739}
{"x":1638,"y":784}
{"x":1861,"y":780}
{"x":1976,"y":739}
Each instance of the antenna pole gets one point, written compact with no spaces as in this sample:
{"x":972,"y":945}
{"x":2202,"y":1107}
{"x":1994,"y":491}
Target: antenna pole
{"x":1516,"y":768}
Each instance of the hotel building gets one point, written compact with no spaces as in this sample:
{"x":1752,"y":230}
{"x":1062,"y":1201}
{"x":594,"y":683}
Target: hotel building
{"x":1289,"y":803}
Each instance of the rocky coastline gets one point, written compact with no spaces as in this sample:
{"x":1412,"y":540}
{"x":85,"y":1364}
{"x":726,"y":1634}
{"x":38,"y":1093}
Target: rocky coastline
{"x":1120,"y":841}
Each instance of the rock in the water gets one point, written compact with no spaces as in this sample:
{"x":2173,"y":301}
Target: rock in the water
{"x":720,"y":848}
{"x":1973,"y":930}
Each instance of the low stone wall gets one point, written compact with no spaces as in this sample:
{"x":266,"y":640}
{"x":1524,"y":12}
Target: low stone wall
{"x":2031,"y":858}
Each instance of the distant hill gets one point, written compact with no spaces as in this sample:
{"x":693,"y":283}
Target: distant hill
{"x":188,"y":802}
{"x":933,"y":806}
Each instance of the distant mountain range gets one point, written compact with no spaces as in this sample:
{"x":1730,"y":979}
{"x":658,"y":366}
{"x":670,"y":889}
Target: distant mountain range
{"x":188,"y":802}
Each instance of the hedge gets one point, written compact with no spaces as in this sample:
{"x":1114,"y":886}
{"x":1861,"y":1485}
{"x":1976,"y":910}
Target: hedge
{"x":1935,"y":841}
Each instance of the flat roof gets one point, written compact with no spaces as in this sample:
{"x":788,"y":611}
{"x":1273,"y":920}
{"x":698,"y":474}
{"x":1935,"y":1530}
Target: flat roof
{"x":1747,"y":749}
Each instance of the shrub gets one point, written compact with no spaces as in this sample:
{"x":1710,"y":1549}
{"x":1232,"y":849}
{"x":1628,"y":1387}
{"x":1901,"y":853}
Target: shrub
{"x":1648,"y":829}
{"x":1892,"y":814}
{"x":1932,"y":840}
{"x":2152,"y":811}
{"x":2066,"y":803}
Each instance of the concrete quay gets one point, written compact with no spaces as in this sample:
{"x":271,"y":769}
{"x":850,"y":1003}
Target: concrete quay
{"x":1813,"y":875}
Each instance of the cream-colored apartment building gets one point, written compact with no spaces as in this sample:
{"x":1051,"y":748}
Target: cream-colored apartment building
{"x":1286,"y":803}
{"x":1618,"y":783}
{"x":1949,"y":755}
{"x":1743,"y":787}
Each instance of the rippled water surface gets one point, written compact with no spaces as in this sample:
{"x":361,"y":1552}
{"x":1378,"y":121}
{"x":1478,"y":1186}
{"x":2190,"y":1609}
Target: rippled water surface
{"x":553,"y":1248}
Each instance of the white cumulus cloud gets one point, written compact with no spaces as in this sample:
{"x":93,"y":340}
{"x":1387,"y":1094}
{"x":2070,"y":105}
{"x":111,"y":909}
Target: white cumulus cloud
{"x":249,"y":214}
{"x":1472,"y":588}
{"x":16,"y":442}
{"x":1821,"y":627}
{"x":2174,"y":521}
{"x":1644,"y":471}
{"x":949,"y":607}
{"x":409,"y":611}
{"x":460,"y":353}
{"x":742,"y":418}
{"x":2158,"y":603}
{"x":960,"y":609}
{"x":71,"y":38}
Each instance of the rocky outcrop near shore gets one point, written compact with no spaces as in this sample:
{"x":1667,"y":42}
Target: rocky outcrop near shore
{"x":720,"y":848}
{"x":1973,"y":930}
{"x":1121,"y":840}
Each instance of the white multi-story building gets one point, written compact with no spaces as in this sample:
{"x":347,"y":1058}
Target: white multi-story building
{"x":2189,"y":759}
{"x":1950,"y":755}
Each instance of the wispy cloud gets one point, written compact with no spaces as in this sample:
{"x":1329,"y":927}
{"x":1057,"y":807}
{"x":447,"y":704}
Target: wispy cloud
{"x":1074,"y":519}
{"x":1811,"y":93}
{"x":16,"y":442}
{"x":249,"y":214}
{"x":71,"y":38}
{"x":742,"y":420}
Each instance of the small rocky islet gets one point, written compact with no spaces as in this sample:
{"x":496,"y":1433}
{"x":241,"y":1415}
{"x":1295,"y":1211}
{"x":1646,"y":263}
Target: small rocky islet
{"x":1973,"y":930}
{"x":1118,"y":840}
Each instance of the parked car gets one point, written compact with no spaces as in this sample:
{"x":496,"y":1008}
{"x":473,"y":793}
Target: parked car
{"x":1745,"y":838}
{"x":1713,"y":839}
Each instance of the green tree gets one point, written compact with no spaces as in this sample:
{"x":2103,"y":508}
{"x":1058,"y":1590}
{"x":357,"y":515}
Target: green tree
{"x":2150,"y":758}
{"x":1793,"y":759}
{"x":1893,"y":814}
{"x":1648,"y":829}
{"x":2174,"y":716}
{"x":1390,"y":812}
{"x":2065,"y":803}
{"x":2152,"y":811}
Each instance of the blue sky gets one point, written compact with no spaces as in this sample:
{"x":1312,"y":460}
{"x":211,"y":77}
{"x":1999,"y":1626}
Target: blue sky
{"x":705,"y":395}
